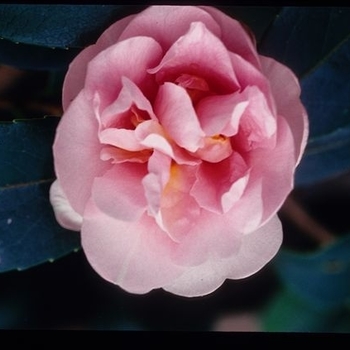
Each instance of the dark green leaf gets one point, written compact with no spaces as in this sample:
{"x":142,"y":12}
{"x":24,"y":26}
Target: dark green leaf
{"x":302,"y":37}
{"x":26,"y":151}
{"x":29,"y":233}
{"x":59,"y":25}
{"x":287,"y":312}
{"x":325,"y":94}
{"x":257,"y":18}
{"x":32,"y":57}
{"x":46,"y":37}
{"x":322,"y":279}
{"x":315,"y":293}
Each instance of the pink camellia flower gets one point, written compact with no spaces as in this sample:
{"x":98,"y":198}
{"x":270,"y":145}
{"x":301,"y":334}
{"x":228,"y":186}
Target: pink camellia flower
{"x":177,"y":146}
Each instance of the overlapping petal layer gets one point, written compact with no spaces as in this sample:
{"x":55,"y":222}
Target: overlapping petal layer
{"x":177,"y":147}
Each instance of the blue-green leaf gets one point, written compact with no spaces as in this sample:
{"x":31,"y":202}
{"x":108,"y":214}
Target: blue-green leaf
{"x":257,"y":18}
{"x":315,"y":44}
{"x":302,"y":37}
{"x":44,"y":37}
{"x":29,"y":233}
{"x":315,"y":291}
{"x":322,"y":279}
{"x":58,"y":25}
{"x":326,"y":96}
{"x":26,"y":151}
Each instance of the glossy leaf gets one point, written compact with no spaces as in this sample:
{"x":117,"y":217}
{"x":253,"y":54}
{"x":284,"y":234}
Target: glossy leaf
{"x":58,"y":25}
{"x":302,"y":37}
{"x":32,"y":57}
{"x":315,"y":44}
{"x":287,"y":312}
{"x":315,"y":291}
{"x":29,"y":233}
{"x":46,"y":37}
{"x":26,"y":151}
{"x":257,"y":18}
{"x":322,"y":279}
{"x":326,"y":96}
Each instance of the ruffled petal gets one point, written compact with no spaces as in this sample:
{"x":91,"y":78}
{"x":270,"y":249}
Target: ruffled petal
{"x":242,"y":42}
{"x":199,"y":53}
{"x":275,"y":169}
{"x":75,"y":76}
{"x":218,"y":186}
{"x":175,"y":112}
{"x":134,"y":255}
{"x":286,"y":91}
{"x":167,"y":23}
{"x":221,"y":114}
{"x":77,"y":152}
{"x":256,"y":250}
{"x":64,"y":213}
{"x":125,"y":111}
{"x":140,"y":52}
{"x":119,"y":192}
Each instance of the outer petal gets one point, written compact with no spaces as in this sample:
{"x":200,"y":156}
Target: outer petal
{"x":119,"y":192}
{"x":65,"y":215}
{"x":275,"y":168}
{"x":242,"y":42}
{"x":133,"y":255}
{"x":256,"y":250}
{"x":286,"y":90}
{"x":77,"y":152}
{"x":75,"y":77}
{"x":140,"y":52}
{"x":167,"y":23}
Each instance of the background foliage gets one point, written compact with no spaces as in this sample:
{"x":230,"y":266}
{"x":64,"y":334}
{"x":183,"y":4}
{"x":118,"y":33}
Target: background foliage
{"x":37,"y":42}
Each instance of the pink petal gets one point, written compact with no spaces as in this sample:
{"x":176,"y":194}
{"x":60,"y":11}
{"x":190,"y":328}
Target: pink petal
{"x":130,"y":101}
{"x":248,"y":75}
{"x":118,"y":155}
{"x":215,"y":149}
{"x":221,"y":114}
{"x":75,"y":77}
{"x":179,"y":210}
{"x":151,"y":135}
{"x":140,"y":52}
{"x":175,"y":112}
{"x":133,"y":255}
{"x":64,"y":213}
{"x":218,"y":186}
{"x":167,"y":23}
{"x":258,"y":121}
{"x":121,"y":138}
{"x":275,"y":168}
{"x":256,"y":250}
{"x":77,"y":152}
{"x":211,"y":236}
{"x":167,"y":187}
{"x":242,"y":42}
{"x":286,"y":91}
{"x":119,"y":192}
{"x":154,"y":183}
{"x":200,"y":53}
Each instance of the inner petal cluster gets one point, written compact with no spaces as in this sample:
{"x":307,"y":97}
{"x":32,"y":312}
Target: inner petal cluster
{"x":194,"y":138}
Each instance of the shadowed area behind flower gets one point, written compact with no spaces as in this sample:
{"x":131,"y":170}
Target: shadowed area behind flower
{"x":312,"y":216}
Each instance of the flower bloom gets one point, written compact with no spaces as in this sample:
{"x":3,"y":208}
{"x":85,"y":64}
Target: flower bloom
{"x":177,"y":146}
